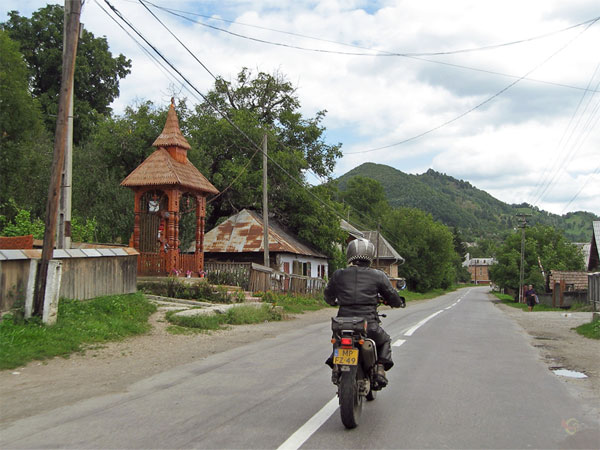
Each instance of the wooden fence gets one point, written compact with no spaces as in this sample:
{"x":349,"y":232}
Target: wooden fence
{"x":151,"y":264}
{"x":85,"y":273}
{"x":257,"y":278}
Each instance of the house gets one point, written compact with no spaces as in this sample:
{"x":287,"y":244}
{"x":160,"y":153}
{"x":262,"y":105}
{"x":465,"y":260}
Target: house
{"x":240,"y":239}
{"x":479,"y":268}
{"x":353,"y":233}
{"x":570,"y":281}
{"x":594,"y":260}
{"x":387,"y":258}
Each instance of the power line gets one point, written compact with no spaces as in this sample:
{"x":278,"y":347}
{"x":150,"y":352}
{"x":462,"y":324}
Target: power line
{"x":489,"y":99}
{"x":379,"y":52}
{"x":414,"y":56}
{"x":222,"y":114}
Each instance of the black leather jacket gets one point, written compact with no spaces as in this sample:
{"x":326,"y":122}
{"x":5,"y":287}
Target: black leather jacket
{"x":355,"y":288}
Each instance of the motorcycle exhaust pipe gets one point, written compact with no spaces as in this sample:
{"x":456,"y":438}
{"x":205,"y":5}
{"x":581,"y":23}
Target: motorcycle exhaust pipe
{"x":368,"y":353}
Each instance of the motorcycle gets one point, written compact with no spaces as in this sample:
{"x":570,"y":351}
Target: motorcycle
{"x":354,"y":365}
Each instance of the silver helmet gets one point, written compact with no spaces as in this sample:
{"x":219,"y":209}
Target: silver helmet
{"x":360,"y":249}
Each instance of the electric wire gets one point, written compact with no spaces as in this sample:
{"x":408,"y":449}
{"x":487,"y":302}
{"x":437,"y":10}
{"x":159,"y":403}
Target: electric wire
{"x":414,"y":56}
{"x":550,"y":176}
{"x":479,"y":105}
{"x":380,"y":52}
{"x":222,"y":114}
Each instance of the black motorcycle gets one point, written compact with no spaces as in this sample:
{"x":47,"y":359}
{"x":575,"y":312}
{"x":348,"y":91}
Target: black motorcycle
{"x":354,"y":358}
{"x":354,"y":365}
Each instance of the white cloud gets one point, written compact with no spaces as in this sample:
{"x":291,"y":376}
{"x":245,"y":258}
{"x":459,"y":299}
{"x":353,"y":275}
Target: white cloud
{"x":505,"y":147}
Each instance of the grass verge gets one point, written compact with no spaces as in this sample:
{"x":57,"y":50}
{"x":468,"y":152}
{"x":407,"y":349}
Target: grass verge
{"x":238,"y":315}
{"x":590,"y":330}
{"x":294,"y":304}
{"x":508,"y":300}
{"x":79,"y":323}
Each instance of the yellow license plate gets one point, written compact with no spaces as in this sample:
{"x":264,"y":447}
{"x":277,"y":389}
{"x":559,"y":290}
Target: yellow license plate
{"x":346,"y":356}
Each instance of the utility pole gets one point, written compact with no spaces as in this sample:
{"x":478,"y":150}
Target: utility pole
{"x":63,"y":232}
{"x":522,"y":225}
{"x":71,"y":30}
{"x":265,"y":204}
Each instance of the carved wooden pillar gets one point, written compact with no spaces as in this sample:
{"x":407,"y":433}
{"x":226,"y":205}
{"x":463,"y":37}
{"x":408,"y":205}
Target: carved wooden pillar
{"x":200,"y":215}
{"x":136,"y":224}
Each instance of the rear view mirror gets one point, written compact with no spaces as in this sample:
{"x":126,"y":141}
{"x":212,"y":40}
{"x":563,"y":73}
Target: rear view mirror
{"x":401,"y":284}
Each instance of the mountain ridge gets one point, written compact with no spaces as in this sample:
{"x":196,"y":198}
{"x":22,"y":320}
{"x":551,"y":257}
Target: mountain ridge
{"x":457,"y":203}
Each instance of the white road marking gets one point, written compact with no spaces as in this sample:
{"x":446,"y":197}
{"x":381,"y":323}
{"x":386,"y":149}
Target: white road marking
{"x":399,"y":342}
{"x":411,"y":330}
{"x":303,"y":433}
{"x":449,"y":307}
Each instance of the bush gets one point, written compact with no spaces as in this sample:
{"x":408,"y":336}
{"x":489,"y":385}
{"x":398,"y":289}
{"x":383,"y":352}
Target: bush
{"x":201,"y":290}
{"x":237,"y":315}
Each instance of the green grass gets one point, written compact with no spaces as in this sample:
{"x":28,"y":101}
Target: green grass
{"x":238,"y":315}
{"x":79,"y":323}
{"x":590,"y":330}
{"x":295,"y":304}
{"x":508,"y":300}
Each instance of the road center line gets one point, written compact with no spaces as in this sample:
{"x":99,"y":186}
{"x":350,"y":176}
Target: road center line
{"x":411,"y":330}
{"x":303,"y":433}
{"x":399,"y":342}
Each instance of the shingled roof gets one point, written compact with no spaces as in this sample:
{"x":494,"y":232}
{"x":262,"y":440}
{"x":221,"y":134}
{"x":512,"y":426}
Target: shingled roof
{"x":171,"y":134}
{"x":168,"y":165}
{"x":160,"y":169}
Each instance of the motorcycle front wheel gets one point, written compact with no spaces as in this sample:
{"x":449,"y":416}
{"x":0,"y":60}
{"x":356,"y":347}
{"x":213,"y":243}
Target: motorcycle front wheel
{"x":350,"y":400}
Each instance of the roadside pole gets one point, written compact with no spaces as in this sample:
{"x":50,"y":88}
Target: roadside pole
{"x":265,"y":205}
{"x":523,"y":225}
{"x":71,"y":30}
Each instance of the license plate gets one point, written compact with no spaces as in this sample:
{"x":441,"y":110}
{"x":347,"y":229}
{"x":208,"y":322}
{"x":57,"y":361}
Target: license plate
{"x":346,"y":356}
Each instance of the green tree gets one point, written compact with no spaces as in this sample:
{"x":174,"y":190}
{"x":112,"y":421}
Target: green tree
{"x":426,"y":245}
{"x":366,"y":199}
{"x":97,"y":72}
{"x":543,"y":244}
{"x":25,"y":147}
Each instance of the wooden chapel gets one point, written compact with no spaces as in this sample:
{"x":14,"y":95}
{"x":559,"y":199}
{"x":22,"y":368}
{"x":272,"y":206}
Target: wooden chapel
{"x":168,"y":187}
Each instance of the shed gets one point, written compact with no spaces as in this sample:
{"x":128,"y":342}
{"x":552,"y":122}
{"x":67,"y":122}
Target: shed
{"x":573,"y":281}
{"x":240,"y":239}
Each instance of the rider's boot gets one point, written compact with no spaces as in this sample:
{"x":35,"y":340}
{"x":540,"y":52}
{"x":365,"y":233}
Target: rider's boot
{"x":380,"y":377}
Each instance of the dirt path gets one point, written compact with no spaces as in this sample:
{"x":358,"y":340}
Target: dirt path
{"x":42,"y":386}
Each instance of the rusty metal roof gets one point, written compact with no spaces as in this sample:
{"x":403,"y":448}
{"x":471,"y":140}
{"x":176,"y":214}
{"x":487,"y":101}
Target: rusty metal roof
{"x":243,"y":233}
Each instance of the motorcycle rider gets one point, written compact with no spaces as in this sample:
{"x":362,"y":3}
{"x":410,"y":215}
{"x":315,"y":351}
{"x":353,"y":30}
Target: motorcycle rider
{"x":355,"y":290}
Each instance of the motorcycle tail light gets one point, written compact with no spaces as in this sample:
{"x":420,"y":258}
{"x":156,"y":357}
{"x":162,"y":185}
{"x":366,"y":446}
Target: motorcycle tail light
{"x":346,"y":341}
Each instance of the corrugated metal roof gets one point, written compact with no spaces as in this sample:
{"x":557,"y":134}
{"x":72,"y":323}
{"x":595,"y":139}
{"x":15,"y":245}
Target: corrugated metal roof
{"x":243,"y":233}
{"x":385,"y":250}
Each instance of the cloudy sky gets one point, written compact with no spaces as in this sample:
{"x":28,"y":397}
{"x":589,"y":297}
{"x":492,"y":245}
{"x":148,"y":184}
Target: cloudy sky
{"x":503,"y":94}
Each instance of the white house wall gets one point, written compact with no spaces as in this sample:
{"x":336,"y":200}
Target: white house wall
{"x":314,"y":263}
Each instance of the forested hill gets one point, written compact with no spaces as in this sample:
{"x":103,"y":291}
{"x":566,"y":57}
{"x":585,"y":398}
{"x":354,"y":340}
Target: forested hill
{"x":459,"y":204}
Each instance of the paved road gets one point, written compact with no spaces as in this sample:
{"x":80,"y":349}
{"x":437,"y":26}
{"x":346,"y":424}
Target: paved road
{"x":465,"y":377}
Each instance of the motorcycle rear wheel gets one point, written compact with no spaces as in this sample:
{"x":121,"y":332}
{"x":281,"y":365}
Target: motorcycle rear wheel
{"x":350,"y":400}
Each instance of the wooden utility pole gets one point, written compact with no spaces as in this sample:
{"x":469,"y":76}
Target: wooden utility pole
{"x":523,"y":225}
{"x":265,"y":205}
{"x":71,"y":30}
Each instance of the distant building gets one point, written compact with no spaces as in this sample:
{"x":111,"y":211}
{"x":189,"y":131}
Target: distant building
{"x":479,"y":268}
